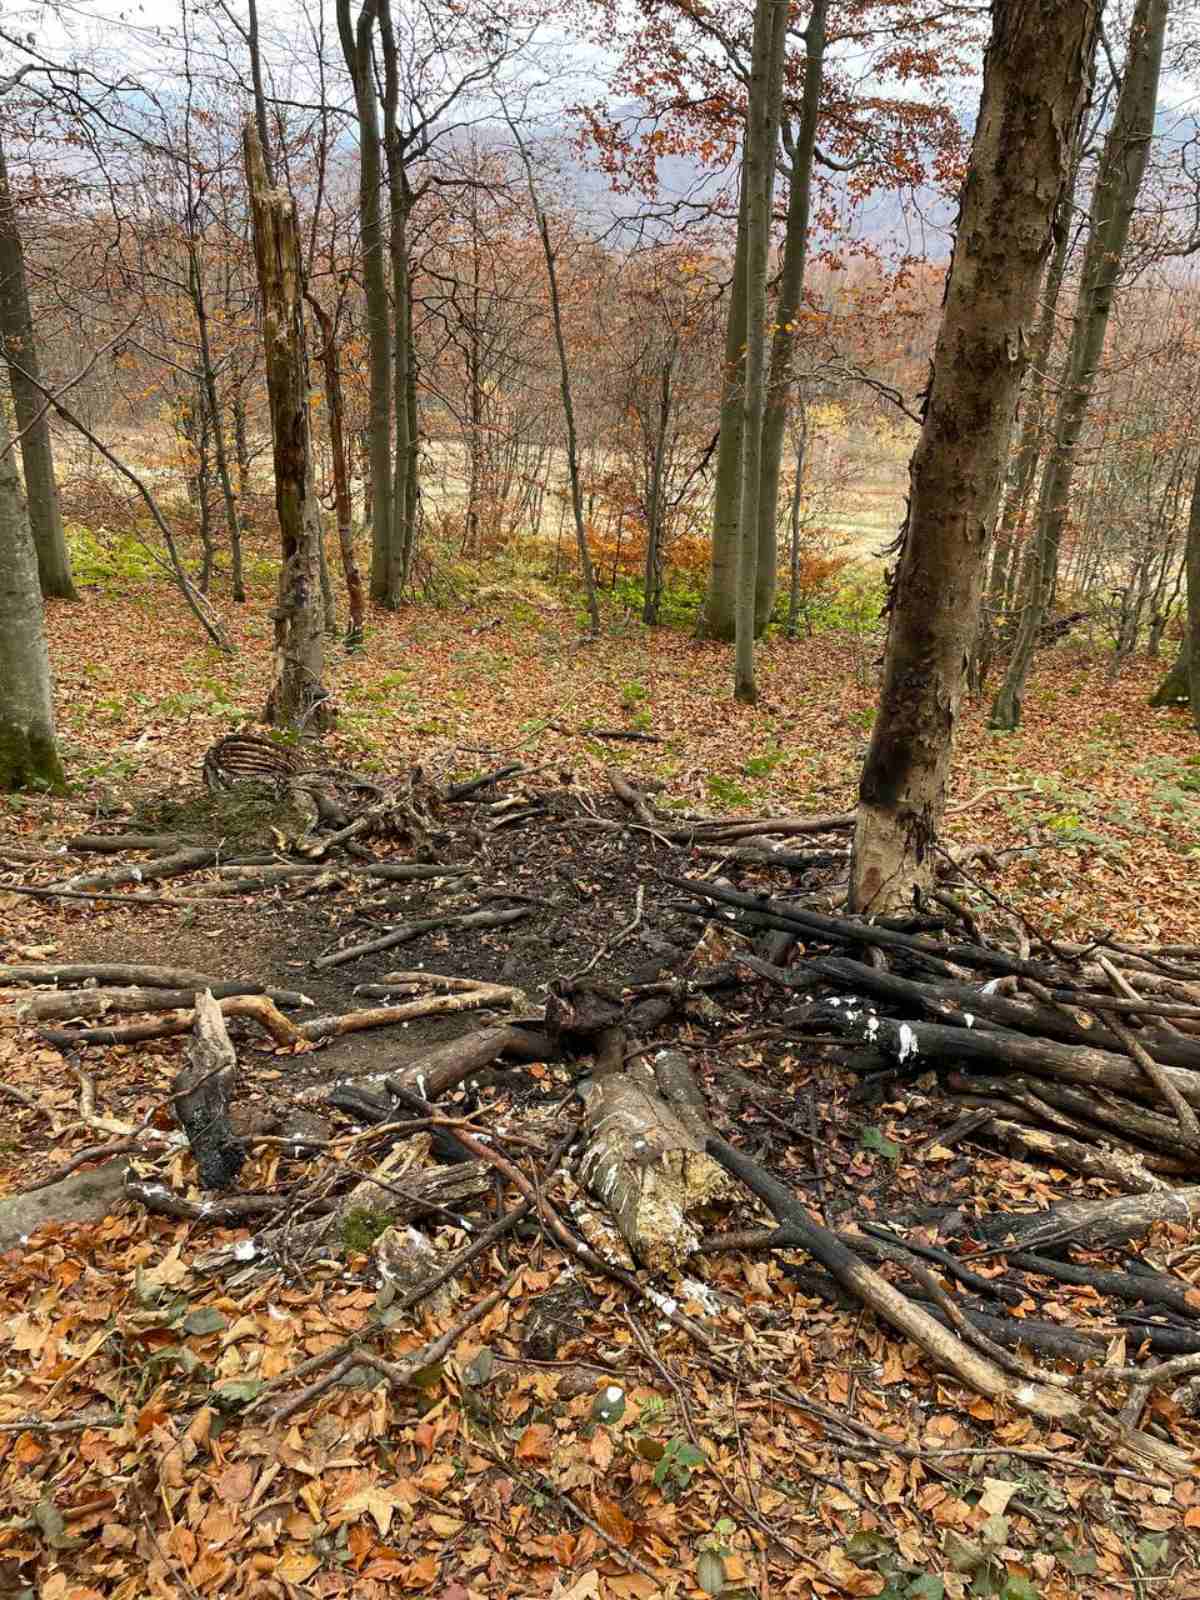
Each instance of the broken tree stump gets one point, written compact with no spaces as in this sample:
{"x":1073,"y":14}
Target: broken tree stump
{"x":202,"y":1092}
{"x":645,"y":1164}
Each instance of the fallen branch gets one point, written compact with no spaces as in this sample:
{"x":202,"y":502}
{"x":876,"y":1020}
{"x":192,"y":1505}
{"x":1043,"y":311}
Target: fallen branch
{"x":120,"y":973}
{"x":172,"y":866}
{"x":256,"y":1007}
{"x":462,"y":922}
{"x":977,"y":1371}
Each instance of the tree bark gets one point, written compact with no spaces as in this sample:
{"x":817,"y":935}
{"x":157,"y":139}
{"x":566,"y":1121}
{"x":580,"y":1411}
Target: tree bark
{"x":763,"y":108}
{"x":716,"y":619}
{"x":28,"y":749}
{"x":1175,"y":689}
{"x":646,"y":1166}
{"x":1010,"y":536}
{"x":343,"y":505}
{"x":1192,"y":645}
{"x":297,"y":691}
{"x":564,"y":382}
{"x":356,"y":47}
{"x":201,"y":1094}
{"x":791,"y":297}
{"x":1122,"y":168}
{"x":212,"y":400}
{"x":30,"y":410}
{"x":400,"y":533}
{"x":1035,"y":83}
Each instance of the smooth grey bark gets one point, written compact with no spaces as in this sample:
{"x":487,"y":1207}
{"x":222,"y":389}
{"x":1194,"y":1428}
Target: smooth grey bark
{"x":1036,"y":74}
{"x":212,"y":401}
{"x":28,"y":750}
{"x":1118,"y":180}
{"x":794,"y":521}
{"x":31,"y":412}
{"x":356,"y":48}
{"x":758,"y":181}
{"x":791,"y":297}
{"x":401,"y":532}
{"x":653,"y":572}
{"x":716,"y":620}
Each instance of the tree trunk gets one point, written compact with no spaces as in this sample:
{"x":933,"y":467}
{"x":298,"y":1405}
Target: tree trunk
{"x":209,"y":379}
{"x":28,"y":751}
{"x":31,"y":411}
{"x":356,"y":47}
{"x":297,"y":692}
{"x":1010,"y":536}
{"x":794,"y":519}
{"x":343,"y":505}
{"x":1035,"y":84}
{"x":1192,"y":646}
{"x":1122,"y":167}
{"x":652,"y":586}
{"x":791,"y":296}
{"x":399,"y":551}
{"x":758,"y":181}
{"x":564,"y":379}
{"x":716,"y":619}
{"x":1175,"y":688}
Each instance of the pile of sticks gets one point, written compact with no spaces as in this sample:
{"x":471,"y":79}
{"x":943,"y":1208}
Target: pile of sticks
{"x":1086,"y":1057}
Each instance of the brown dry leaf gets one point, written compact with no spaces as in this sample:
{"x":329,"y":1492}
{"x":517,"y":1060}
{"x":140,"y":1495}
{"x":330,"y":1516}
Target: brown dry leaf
{"x":997,"y":1492}
{"x":236,"y":1482}
{"x":421,"y":1573}
{"x":612,"y":1519}
{"x":536,"y":1443}
{"x":445,"y":1527}
{"x":297,"y":1565}
{"x":375,"y":1501}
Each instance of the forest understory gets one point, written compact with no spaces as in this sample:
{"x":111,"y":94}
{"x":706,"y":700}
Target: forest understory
{"x":241,"y":1381}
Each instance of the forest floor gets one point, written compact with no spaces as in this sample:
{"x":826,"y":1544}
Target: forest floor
{"x":494,"y":1477}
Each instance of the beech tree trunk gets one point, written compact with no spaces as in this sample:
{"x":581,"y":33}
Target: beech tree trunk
{"x":758,"y":180}
{"x":29,"y":407}
{"x":1010,"y":536}
{"x":1122,"y":168}
{"x":297,"y":690}
{"x":1175,"y":690}
{"x":791,"y":296}
{"x":716,"y":620}
{"x":356,"y":47}
{"x":212,"y":401}
{"x":1035,"y":85}
{"x":28,"y":751}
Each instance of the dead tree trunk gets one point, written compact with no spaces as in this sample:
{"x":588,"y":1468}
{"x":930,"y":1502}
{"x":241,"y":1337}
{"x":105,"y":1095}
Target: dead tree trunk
{"x":201,"y":1094}
{"x":1035,"y":81}
{"x":297,"y":692}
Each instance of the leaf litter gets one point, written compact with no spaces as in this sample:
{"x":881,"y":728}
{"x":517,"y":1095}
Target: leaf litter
{"x":136,"y":1457}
